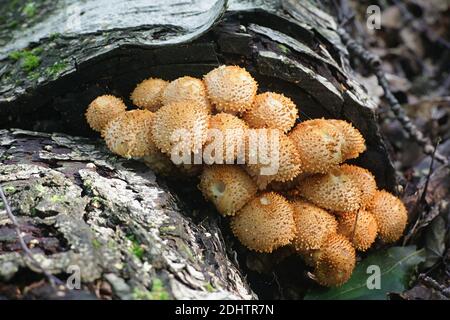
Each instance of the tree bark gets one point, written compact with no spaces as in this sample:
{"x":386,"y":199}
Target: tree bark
{"x":80,"y":208}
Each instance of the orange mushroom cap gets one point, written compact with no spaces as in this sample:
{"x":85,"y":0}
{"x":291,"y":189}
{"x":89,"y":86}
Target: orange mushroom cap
{"x":390,"y":214}
{"x":231,"y":89}
{"x":148,"y":94}
{"x":128,"y":135}
{"x":359,"y":227}
{"x":186,"y":118}
{"x":102,"y":110}
{"x":334,"y":191}
{"x":186,"y":89}
{"x":272,"y":110}
{"x":313,"y":226}
{"x":228,"y":187}
{"x":336,"y":262}
{"x":265,"y":223}
{"x":319,"y":144}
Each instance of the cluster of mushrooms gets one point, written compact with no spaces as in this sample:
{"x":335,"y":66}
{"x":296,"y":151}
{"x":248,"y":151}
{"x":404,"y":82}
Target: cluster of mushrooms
{"x":319,"y":205}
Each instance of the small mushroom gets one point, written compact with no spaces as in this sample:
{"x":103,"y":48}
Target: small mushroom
{"x":359,"y":227}
{"x":313,"y":225}
{"x":390,"y":214}
{"x":265,"y":223}
{"x":231,"y":89}
{"x":228,"y":187}
{"x":186,"y":89}
{"x":148,"y":94}
{"x":128,"y":135}
{"x":102,"y":110}
{"x":272,"y":110}
{"x":336,"y":261}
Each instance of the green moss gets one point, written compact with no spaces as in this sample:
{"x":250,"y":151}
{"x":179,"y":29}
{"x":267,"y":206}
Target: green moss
{"x":158,"y":292}
{"x":209,"y":287}
{"x":136,"y":247}
{"x":40,"y":188}
{"x":139,"y":294}
{"x":9,"y":189}
{"x":56,"y":68}
{"x":30,"y":60}
{"x":16,"y":55}
{"x":167,"y":229}
{"x":57,"y":198}
{"x":29,"y":10}
{"x":54,"y":36}
{"x":96,"y":244}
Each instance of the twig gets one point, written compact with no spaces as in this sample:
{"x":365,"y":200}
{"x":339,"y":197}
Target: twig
{"x":54,"y":281}
{"x":374,"y":64}
{"x":434,"y":284}
{"x":421,"y":199}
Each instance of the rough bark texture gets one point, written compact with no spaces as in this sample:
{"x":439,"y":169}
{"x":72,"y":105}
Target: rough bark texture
{"x":289,"y":46}
{"x":84,"y":208}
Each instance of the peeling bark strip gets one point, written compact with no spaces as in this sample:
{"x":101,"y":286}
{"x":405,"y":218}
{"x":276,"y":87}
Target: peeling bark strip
{"x":80,"y":208}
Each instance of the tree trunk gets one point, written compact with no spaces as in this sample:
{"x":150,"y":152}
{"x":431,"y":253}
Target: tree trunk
{"x":80,"y":208}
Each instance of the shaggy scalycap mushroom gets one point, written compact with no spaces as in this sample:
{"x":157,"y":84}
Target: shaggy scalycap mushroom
{"x":148,"y":94}
{"x":232,"y":130}
{"x":359,"y":227}
{"x":265,"y":223}
{"x":334,"y":191}
{"x":102,"y":110}
{"x":186,"y":89}
{"x":231,"y":89}
{"x":272,"y":110}
{"x":364,"y":179}
{"x":179,"y":117}
{"x":313,"y":226}
{"x":390,"y":214}
{"x":228,"y":187}
{"x":354,"y":142}
{"x":336,"y":262}
{"x":128,"y":135}
{"x":289,"y":164}
{"x":319,"y":143}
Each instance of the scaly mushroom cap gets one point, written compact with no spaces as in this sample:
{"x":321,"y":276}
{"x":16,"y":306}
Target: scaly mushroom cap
{"x":102,"y":110}
{"x":231,"y":88}
{"x":390,"y":214}
{"x":359,"y":227}
{"x":128,"y":135}
{"x":228,"y":187}
{"x":364,"y":179}
{"x":272,"y":110}
{"x":354,"y":142}
{"x":186,"y":89}
{"x":265,"y":223}
{"x":288,"y":162}
{"x":310,"y":257}
{"x":187,"y":119}
{"x":233,"y":133}
{"x":334,"y":191}
{"x":319,"y":143}
{"x":313,"y":226}
{"x":336,"y":262}
{"x":148,"y":94}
